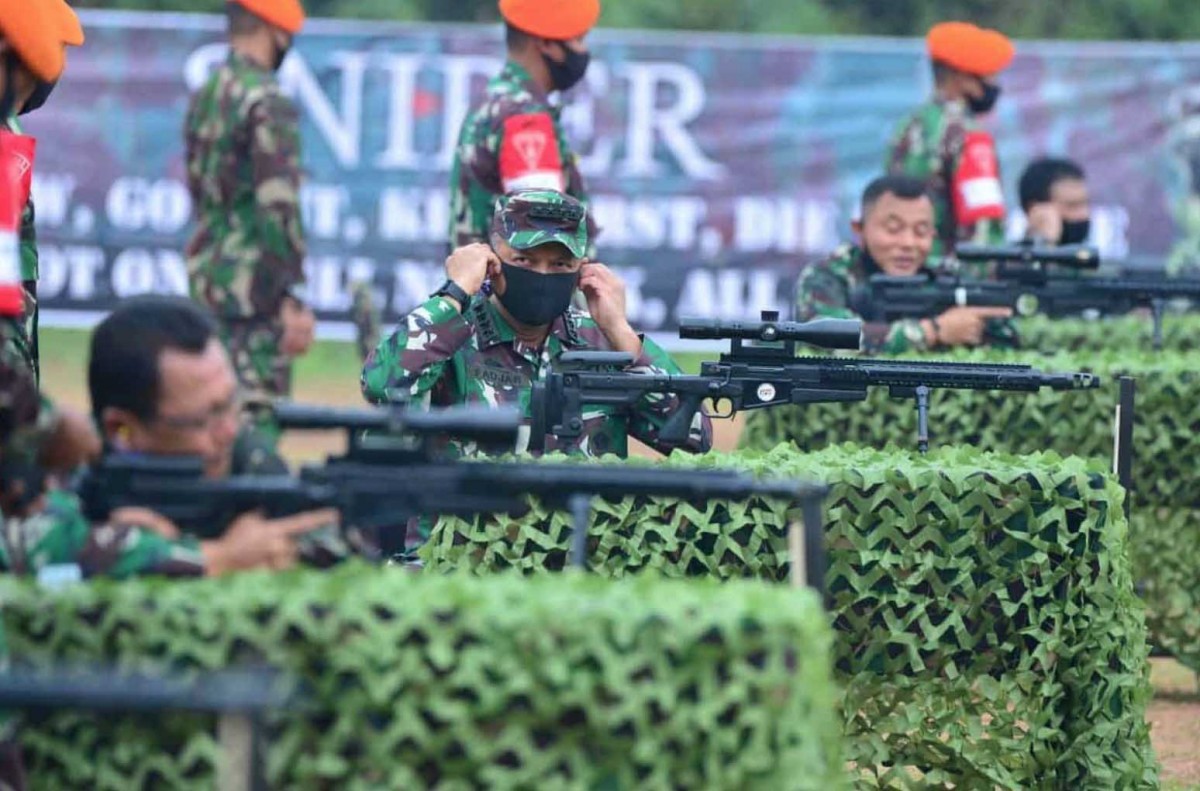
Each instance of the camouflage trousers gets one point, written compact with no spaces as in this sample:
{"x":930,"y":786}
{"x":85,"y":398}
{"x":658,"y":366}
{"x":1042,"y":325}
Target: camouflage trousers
{"x":253,"y":346}
{"x":264,"y":373}
{"x":365,"y":315}
{"x":19,"y":334}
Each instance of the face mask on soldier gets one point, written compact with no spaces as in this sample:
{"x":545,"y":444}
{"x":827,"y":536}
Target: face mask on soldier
{"x":980,"y":105}
{"x":1075,"y":231}
{"x":566,"y":73}
{"x":282,"y":48}
{"x":533,"y":298}
{"x":38,"y":98}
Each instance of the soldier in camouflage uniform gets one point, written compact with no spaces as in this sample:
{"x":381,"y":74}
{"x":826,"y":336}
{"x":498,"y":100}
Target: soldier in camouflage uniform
{"x":245,"y":260}
{"x":896,"y":233}
{"x":161,"y":383}
{"x":22,"y":334}
{"x":41,"y":531}
{"x":514,"y":139}
{"x":464,"y":346}
{"x":943,"y":143}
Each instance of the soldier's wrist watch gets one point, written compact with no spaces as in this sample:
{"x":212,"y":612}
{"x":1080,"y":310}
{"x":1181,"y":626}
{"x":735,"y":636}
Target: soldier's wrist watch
{"x":455,"y":292}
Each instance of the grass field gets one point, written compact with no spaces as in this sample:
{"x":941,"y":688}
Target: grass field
{"x":329,"y":375}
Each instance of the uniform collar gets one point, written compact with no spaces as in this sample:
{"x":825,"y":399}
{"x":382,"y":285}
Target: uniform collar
{"x":516,"y":73}
{"x":864,"y":262}
{"x":493,"y":330}
{"x":239,"y":60}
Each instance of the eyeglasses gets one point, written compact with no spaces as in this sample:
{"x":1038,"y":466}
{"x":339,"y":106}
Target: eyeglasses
{"x":203,"y":422}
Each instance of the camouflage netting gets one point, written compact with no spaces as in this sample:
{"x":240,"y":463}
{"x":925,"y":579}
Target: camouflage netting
{"x":455,"y":681}
{"x":987,"y":633}
{"x":1167,"y":553}
{"x":1166,"y":445}
{"x":1181,"y":333}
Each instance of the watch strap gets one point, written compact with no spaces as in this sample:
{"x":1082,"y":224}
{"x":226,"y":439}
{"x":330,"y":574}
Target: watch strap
{"x":455,"y":292}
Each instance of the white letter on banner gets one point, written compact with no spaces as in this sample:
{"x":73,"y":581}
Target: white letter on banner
{"x":343,"y":133}
{"x":645,"y":118}
{"x":579,"y":123}
{"x":459,"y":70}
{"x":201,"y":63}
{"x":401,"y":151}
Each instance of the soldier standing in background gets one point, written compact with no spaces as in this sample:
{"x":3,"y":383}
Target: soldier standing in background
{"x":245,"y":260}
{"x":943,"y":143}
{"x":514,"y":140}
{"x":22,"y":330}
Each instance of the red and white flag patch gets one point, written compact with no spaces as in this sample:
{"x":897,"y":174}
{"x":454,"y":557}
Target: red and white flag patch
{"x":977,"y":191}
{"x":529,"y":155}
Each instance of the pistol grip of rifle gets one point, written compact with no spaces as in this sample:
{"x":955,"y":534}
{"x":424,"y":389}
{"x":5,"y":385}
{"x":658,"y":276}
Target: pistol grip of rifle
{"x":678,"y":427}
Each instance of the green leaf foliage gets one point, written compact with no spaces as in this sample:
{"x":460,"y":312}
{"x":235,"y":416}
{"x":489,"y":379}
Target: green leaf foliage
{"x":987,"y":633}
{"x":454,"y":681}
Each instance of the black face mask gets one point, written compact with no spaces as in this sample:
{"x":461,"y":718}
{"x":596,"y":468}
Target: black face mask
{"x":39,"y":96}
{"x":8,"y":98}
{"x":281,"y":52}
{"x":985,"y":103}
{"x":535,"y":299}
{"x":565,"y":74}
{"x":1075,"y":231}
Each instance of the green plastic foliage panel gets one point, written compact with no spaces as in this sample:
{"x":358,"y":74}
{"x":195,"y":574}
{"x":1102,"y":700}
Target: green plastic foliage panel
{"x":987,"y":633}
{"x":1166,"y":446}
{"x":1181,"y":333}
{"x":455,"y":681}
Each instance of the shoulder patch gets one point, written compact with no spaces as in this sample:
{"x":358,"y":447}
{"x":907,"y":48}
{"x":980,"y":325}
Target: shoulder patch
{"x":529,"y":155}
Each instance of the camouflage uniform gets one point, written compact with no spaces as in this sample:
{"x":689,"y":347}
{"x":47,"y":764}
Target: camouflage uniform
{"x":512,"y":141}
{"x":22,"y":331}
{"x":443,"y":358}
{"x":364,"y":314}
{"x":835,"y":289}
{"x":58,"y":534}
{"x":929,"y":145}
{"x":247,"y":254}
{"x":828,"y":290}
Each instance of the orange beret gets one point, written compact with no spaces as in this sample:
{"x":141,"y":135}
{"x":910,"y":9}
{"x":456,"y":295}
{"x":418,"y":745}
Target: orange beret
{"x":29,"y":28}
{"x":554,"y":19}
{"x":67,"y":22}
{"x":971,"y":49}
{"x":287,"y":15}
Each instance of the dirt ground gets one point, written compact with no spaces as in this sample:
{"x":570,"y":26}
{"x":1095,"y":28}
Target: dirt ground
{"x":1174,"y":714}
{"x":1174,"y":717}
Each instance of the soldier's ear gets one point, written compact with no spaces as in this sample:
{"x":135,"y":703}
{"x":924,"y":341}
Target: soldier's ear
{"x":117,"y":425}
{"x":857,"y":227}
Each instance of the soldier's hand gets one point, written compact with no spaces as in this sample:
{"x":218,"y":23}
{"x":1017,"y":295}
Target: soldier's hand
{"x":605,"y":294}
{"x":253,"y":541}
{"x":299,"y":328}
{"x":1045,"y":223}
{"x":145,"y":519}
{"x":73,"y":441}
{"x":469,"y":266}
{"x":964,"y":326}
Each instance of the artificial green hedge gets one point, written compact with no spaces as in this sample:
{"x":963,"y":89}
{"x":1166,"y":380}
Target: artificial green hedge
{"x":1166,"y":555}
{"x":987,"y":633}
{"x":1181,"y":333}
{"x":1166,"y":446}
{"x":420,"y":681}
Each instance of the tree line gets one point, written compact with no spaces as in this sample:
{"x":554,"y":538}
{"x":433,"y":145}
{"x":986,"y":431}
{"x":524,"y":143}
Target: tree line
{"x":1168,"y":20}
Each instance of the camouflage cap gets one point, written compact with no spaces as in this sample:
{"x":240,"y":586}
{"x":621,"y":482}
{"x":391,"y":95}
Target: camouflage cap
{"x":533,"y":217}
